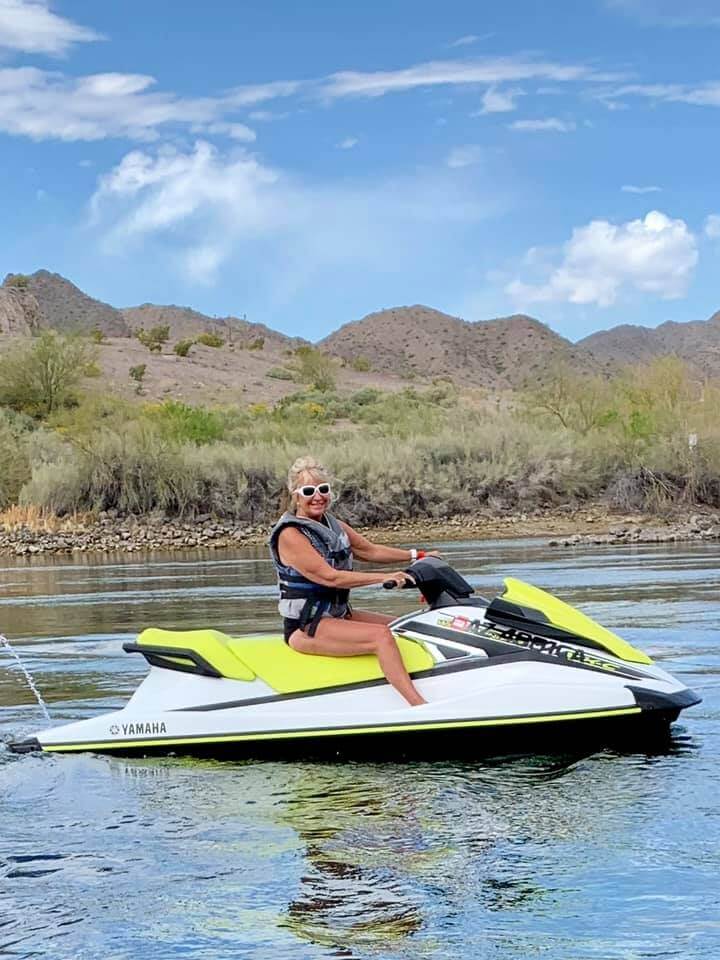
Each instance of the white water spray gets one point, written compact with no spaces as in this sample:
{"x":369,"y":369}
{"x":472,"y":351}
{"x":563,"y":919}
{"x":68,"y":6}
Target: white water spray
{"x":4,"y":642}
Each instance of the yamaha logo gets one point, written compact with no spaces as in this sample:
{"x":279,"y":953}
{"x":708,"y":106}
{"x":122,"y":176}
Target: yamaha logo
{"x":138,"y":729}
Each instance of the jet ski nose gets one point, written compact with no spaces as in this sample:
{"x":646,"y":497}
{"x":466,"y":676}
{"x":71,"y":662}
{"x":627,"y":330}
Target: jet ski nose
{"x":31,"y":745}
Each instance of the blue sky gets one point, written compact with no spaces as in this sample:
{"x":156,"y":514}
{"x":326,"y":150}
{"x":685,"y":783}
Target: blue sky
{"x":306,"y":164}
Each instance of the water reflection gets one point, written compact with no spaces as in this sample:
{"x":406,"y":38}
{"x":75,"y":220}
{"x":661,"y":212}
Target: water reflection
{"x":609,"y":856}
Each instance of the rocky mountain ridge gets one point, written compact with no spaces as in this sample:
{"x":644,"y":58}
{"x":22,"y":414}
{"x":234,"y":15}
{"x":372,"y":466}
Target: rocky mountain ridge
{"x":397,"y":344}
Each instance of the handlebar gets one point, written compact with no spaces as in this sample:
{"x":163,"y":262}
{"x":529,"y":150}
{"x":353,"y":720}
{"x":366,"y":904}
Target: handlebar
{"x":392,"y":585}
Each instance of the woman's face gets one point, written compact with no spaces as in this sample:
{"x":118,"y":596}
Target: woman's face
{"x":315,"y":506}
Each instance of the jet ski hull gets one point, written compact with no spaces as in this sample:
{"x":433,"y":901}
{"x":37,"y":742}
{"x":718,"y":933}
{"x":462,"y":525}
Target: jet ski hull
{"x":527,"y":674}
{"x":629,"y":729}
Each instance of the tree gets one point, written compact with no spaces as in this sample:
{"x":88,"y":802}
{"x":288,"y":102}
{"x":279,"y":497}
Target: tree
{"x":40,"y":377}
{"x":155,"y":337}
{"x":315,"y":368}
{"x":581,"y":403}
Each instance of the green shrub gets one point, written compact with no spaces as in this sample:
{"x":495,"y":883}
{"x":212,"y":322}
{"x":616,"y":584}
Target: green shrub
{"x":138,"y":375}
{"x":183,"y":423}
{"x":280,"y":373}
{"x":13,"y":455}
{"x":257,"y":344}
{"x":315,"y":368}
{"x":42,"y":376}
{"x":182,"y":347}
{"x":98,"y":336}
{"x":210,"y":340}
{"x":361,"y":364}
{"x":19,"y":280}
{"x":155,"y":337}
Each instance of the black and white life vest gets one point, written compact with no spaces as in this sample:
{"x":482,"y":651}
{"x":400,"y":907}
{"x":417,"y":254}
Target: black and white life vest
{"x":333,"y":544}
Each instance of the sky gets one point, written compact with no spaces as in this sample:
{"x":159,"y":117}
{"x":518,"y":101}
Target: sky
{"x":306,"y":164}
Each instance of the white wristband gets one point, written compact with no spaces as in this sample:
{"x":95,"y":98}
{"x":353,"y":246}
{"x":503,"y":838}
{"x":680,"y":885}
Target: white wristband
{"x":413,"y":554}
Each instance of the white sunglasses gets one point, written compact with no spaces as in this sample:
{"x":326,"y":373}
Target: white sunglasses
{"x":309,"y":490}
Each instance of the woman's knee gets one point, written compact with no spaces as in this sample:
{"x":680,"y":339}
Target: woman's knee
{"x":298,"y":641}
{"x":383,"y":637}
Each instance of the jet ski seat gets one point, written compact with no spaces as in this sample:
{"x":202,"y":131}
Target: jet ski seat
{"x":287,"y":671}
{"x":266,"y":657}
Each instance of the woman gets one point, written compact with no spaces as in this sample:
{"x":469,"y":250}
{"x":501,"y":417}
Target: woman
{"x":313,"y":553}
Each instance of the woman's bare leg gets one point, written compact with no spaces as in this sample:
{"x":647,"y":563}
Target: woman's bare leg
{"x":369,"y":616}
{"x":343,"y":638}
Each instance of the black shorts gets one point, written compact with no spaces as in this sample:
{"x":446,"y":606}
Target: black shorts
{"x":289,"y":628}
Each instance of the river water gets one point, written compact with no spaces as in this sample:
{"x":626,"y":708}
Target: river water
{"x":565,"y":857}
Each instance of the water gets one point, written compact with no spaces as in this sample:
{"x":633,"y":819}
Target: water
{"x":564,"y":857}
{"x":5,"y":644}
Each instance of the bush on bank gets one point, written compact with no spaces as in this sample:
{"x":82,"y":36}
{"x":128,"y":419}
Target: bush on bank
{"x":432,"y":453}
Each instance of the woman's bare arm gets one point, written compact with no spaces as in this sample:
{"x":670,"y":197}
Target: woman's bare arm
{"x":296,"y":551}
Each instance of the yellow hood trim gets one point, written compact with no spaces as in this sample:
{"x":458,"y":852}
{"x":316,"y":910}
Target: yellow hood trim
{"x":565,"y":617}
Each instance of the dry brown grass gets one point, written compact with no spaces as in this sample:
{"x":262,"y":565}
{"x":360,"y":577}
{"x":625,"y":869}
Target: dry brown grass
{"x":40,"y":520}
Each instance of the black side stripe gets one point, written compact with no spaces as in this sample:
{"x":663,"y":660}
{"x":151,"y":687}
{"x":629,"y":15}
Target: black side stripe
{"x":468,"y":663}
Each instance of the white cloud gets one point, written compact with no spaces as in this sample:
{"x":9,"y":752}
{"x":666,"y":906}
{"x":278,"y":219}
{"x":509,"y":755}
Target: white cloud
{"x":631,"y":188}
{"x":466,"y":156}
{"x":546,"y":125}
{"x":703,"y":95}
{"x":252,"y":94}
{"x":712,"y":226}
{"x":348,"y":143}
{"x":46,"y":105}
{"x":656,"y":255}
{"x":670,"y":13}
{"x":210,"y":206}
{"x":30,"y":26}
{"x":499,"y":101}
{"x":465,"y":41}
{"x":236,"y":131}
{"x":488,"y":71}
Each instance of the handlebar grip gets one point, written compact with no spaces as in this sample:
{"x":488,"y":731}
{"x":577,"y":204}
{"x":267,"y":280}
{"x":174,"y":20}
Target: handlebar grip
{"x":392,"y":585}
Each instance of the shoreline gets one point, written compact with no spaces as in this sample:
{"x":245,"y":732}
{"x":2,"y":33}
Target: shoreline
{"x":108,"y":534}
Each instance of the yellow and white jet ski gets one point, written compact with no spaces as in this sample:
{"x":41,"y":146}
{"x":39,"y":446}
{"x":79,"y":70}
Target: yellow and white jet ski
{"x":524,"y":669}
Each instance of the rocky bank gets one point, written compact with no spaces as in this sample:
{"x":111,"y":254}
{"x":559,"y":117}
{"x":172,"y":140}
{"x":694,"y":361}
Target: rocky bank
{"x":109,"y":533}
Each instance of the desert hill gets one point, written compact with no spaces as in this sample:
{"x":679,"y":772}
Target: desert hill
{"x":696,"y":342}
{"x":185,"y":322}
{"x":64,"y":307}
{"x":398,"y":346}
{"x":419,"y":341}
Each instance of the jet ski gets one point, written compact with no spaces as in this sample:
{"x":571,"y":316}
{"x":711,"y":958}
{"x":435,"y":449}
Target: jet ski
{"x":524,"y":668}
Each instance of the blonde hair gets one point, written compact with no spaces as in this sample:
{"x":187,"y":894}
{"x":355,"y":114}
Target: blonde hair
{"x":304,"y":464}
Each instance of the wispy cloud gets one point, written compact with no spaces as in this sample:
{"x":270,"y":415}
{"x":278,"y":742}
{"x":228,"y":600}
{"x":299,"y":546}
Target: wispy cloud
{"x":656,"y":255}
{"x":348,"y":143}
{"x":699,"y":95}
{"x":252,"y":94}
{"x":207,"y":206}
{"x":631,"y":188}
{"x":496,"y":100}
{"x":485,"y":71}
{"x":670,"y":13}
{"x":466,"y":156}
{"x":711,"y":228}
{"x":546,"y":125}
{"x":45,"y":105}
{"x":468,"y":40}
{"x":29,"y":26}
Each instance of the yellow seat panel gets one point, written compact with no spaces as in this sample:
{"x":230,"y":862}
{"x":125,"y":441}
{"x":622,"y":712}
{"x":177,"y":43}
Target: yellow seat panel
{"x":212,"y":645}
{"x":288,"y":671}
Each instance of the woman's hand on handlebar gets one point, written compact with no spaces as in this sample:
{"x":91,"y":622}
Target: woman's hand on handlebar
{"x":400,"y":578}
